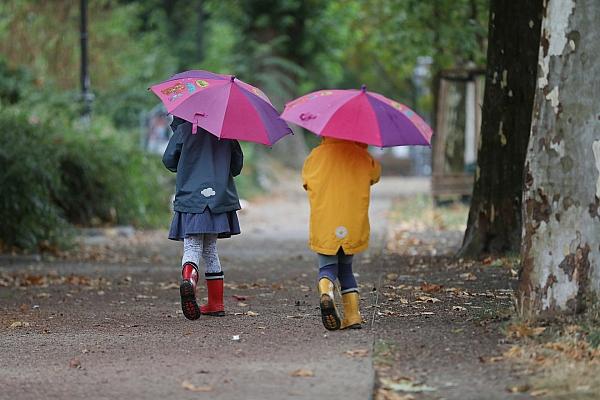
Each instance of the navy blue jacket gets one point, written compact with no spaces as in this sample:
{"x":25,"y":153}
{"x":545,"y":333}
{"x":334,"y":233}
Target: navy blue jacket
{"x":205,"y":167}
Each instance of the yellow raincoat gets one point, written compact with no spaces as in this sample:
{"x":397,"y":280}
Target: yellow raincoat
{"x":338,"y":175}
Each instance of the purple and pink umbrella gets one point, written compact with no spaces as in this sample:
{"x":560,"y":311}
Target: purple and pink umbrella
{"x":223,"y":105}
{"x":359,"y":116}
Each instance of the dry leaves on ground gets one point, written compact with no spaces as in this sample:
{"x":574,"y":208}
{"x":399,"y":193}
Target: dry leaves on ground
{"x":74,"y":363}
{"x":193,"y":388}
{"x":468,"y":276}
{"x":357,"y":353}
{"x":523,"y":330}
{"x":302,"y":373}
{"x":427,"y":299}
{"x":430,"y":287}
{"x":405,"y":385}
{"x":168,"y":285}
{"x":491,"y":360}
{"x":385,"y":394}
{"x":19,"y":324}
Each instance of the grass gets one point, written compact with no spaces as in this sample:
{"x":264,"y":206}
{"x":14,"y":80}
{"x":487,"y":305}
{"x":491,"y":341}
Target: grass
{"x":420,"y":213}
{"x":564,"y":353}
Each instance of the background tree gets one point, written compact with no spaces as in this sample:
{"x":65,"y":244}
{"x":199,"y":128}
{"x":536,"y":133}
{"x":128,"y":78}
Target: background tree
{"x":560,"y":252}
{"x":494,"y":224}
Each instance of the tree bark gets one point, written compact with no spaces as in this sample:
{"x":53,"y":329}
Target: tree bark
{"x":561,"y":224}
{"x":494,"y":224}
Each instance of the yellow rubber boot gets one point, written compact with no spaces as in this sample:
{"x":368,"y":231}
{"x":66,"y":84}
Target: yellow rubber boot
{"x":352,"y":318}
{"x":329,"y":313}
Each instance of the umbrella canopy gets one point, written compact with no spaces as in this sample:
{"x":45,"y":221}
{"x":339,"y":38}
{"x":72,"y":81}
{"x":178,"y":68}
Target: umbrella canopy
{"x":223,"y":105}
{"x":360,"y":116}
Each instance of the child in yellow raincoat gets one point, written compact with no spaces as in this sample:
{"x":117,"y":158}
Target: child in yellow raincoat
{"x":338,"y":175}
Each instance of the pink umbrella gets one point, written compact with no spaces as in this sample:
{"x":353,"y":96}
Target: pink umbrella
{"x":359,"y":116}
{"x":223,"y":105}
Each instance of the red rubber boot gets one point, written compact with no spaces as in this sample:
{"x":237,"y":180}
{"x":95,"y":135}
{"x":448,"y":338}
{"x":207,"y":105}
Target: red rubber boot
{"x":187,"y":290}
{"x":214,"y":284}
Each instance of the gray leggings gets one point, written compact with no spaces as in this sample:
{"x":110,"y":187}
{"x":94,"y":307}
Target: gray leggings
{"x":205,"y":246}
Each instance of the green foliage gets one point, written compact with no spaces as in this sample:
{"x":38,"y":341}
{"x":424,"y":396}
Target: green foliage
{"x":55,"y":175}
{"x":107,"y":179}
{"x":12,"y":81}
{"x":28,"y":180}
{"x":287,"y":47}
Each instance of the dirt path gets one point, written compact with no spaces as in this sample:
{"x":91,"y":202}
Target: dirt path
{"x":112,"y":327}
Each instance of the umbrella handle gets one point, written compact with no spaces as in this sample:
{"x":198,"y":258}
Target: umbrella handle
{"x":195,"y":122}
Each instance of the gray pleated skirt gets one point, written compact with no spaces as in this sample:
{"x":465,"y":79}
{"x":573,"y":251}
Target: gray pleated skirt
{"x":223,"y":225}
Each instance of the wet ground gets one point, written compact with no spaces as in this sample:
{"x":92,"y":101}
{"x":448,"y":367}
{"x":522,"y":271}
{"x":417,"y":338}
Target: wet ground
{"x":107,"y":323}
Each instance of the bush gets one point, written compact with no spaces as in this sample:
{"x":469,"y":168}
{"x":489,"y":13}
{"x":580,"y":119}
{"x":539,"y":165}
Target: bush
{"x":52,"y":177}
{"x":28,"y":179}
{"x":108,"y":180}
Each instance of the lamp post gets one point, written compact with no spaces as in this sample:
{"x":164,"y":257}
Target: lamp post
{"x":86,"y":95}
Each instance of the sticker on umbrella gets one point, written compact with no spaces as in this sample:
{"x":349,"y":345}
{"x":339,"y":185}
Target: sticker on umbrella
{"x":223,"y":105}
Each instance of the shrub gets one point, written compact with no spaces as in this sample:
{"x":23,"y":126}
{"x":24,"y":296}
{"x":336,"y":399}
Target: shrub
{"x":28,"y":178}
{"x":108,"y":180}
{"x":52,"y":177}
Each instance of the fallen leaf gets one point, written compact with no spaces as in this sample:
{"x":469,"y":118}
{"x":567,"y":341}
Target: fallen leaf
{"x":468,"y":276}
{"x":19,"y":324}
{"x":242,"y":304}
{"x":74,"y":363}
{"x":239,"y":298}
{"x":252,"y":313}
{"x":513,"y":352}
{"x":193,"y":388}
{"x":357,"y":353}
{"x":491,"y":360}
{"x":427,"y":299}
{"x":458,"y":308}
{"x":523,"y":330}
{"x":235,"y":337}
{"x":519,"y":388}
{"x":572,"y":329}
{"x":384,"y":394}
{"x":430,"y":287}
{"x":392,"y":276}
{"x":497,"y":263}
{"x":406,"y":385}
{"x":168,"y":286}
{"x":302,"y":373}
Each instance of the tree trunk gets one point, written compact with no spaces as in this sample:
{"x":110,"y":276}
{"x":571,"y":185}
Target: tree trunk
{"x":494,"y":224}
{"x":561,"y":224}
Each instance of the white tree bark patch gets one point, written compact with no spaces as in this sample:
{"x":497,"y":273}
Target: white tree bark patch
{"x":596,"y":149}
